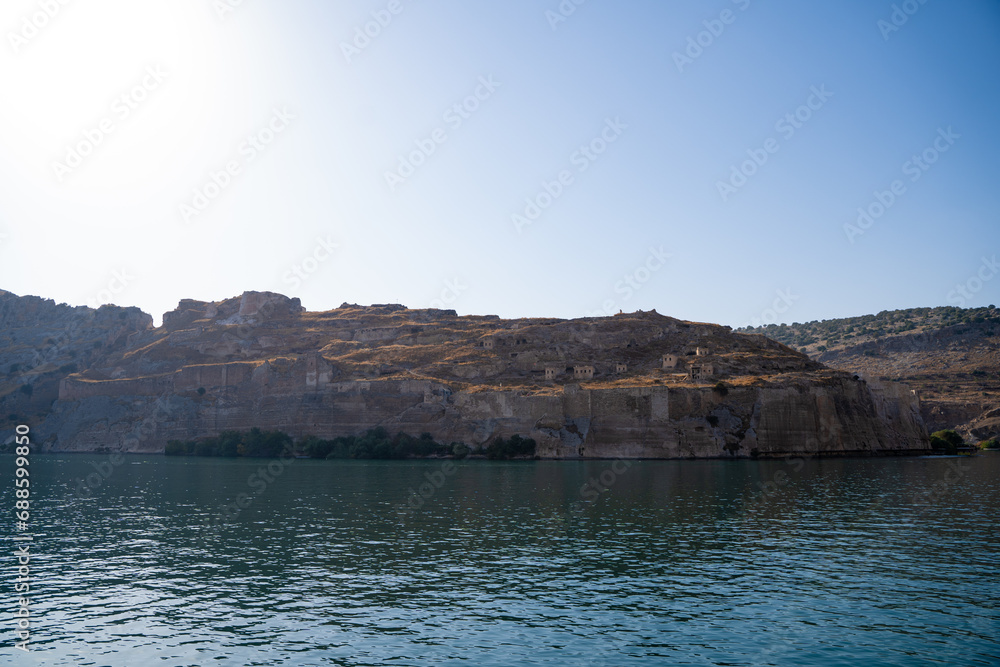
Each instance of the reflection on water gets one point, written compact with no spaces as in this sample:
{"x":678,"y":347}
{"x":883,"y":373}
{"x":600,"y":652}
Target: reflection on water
{"x":831,"y":562}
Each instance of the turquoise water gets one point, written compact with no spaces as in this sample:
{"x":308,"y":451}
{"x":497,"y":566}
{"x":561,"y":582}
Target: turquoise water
{"x":842,"y":562}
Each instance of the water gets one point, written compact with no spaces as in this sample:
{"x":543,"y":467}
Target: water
{"x":846,"y":562}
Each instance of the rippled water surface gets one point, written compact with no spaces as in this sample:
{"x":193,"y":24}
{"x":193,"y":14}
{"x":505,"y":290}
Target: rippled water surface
{"x":841,"y":562}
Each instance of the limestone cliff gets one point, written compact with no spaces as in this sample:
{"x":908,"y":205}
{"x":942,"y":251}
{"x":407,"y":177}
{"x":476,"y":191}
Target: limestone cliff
{"x":950,"y":356}
{"x":632,"y":385}
{"x":42,"y":342}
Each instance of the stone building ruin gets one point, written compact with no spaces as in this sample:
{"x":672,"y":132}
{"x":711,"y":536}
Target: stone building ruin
{"x":701,"y":371}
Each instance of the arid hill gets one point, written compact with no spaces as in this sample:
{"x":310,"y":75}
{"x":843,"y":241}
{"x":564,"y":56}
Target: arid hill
{"x":633,"y":385}
{"x":950,"y":356}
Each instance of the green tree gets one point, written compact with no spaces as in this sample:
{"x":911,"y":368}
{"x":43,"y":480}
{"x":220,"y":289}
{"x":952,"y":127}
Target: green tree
{"x":514,"y":447}
{"x":177,"y":448}
{"x":947,"y":441}
{"x":205,"y":447}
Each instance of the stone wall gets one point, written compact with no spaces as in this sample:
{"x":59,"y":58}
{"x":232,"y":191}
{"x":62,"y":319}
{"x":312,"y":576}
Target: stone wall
{"x":73,"y":389}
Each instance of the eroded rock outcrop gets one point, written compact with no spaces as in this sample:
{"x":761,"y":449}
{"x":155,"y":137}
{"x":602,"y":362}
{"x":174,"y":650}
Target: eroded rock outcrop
{"x":42,"y":342}
{"x":632,"y":385}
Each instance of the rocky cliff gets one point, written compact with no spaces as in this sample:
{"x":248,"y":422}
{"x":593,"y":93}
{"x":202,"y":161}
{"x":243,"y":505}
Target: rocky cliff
{"x":42,"y":342}
{"x":632,"y":385}
{"x":949,"y":356}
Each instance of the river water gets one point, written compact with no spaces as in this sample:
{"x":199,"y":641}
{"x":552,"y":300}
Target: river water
{"x":153,"y":561}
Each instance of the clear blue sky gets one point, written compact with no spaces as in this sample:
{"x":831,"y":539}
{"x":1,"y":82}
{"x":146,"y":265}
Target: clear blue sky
{"x":182,"y":84}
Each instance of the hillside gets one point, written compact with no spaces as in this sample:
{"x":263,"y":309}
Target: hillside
{"x":638,"y":384}
{"x":42,"y":342}
{"x":950,"y":356}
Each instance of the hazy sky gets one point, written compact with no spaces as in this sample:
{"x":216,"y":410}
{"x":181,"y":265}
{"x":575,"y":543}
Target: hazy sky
{"x":521,"y":158}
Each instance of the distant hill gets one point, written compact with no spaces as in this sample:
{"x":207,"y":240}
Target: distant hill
{"x":950,"y":356}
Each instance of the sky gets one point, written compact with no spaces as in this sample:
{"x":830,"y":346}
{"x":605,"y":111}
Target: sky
{"x":730,"y":161}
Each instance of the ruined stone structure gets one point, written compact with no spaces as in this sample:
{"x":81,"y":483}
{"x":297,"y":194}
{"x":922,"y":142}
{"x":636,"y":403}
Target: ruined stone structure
{"x":583,"y":372}
{"x":701,"y":371}
{"x":318,"y":371}
{"x":550,"y":373}
{"x":621,"y":368}
{"x":670,"y":361}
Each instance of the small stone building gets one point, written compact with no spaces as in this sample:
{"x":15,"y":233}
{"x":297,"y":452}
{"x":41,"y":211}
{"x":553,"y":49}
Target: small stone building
{"x":701,"y":371}
{"x":583,"y":372}
{"x":550,"y":373}
{"x":621,"y":368}
{"x":701,"y":351}
{"x":670,"y":361}
{"x":488,"y":343}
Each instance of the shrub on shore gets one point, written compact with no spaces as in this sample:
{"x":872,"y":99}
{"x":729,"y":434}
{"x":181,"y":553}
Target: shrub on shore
{"x":947,"y":441}
{"x":253,"y":443}
{"x":375,"y":443}
{"x":513,"y":447}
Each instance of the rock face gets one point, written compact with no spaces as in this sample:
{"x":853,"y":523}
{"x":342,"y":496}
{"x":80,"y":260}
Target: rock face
{"x":639,"y":385}
{"x":949,"y":356}
{"x":955,"y":371}
{"x":42,"y":342}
